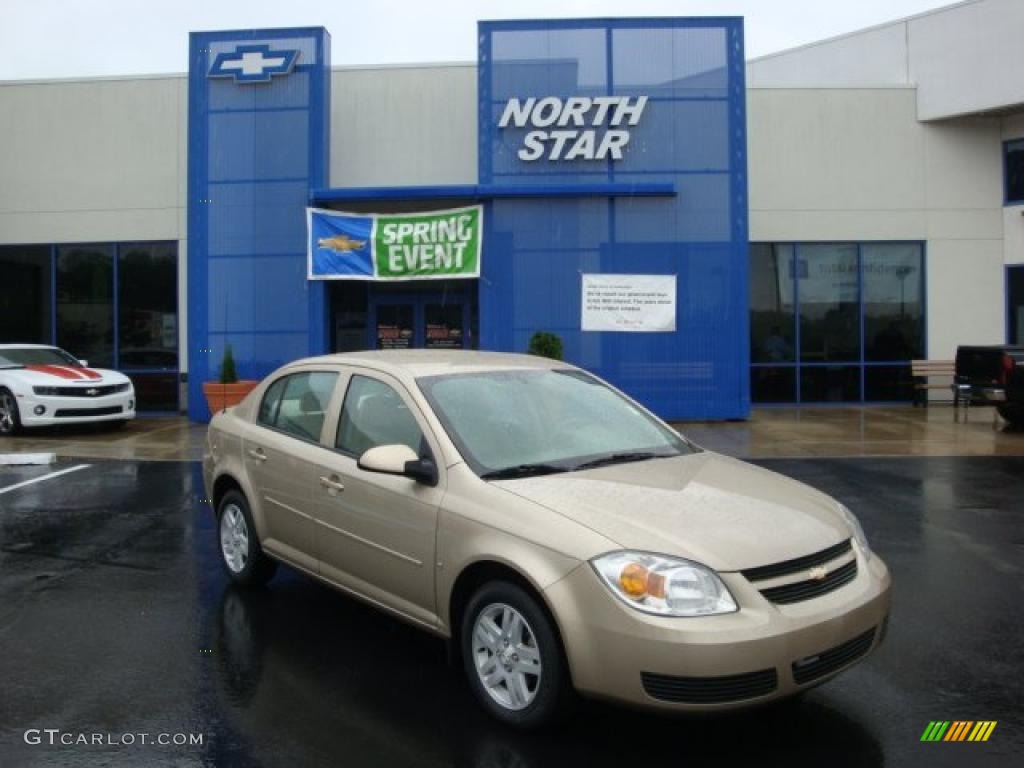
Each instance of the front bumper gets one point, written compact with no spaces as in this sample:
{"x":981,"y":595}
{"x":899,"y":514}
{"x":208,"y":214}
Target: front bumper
{"x":75,"y":410}
{"x":747,"y":657}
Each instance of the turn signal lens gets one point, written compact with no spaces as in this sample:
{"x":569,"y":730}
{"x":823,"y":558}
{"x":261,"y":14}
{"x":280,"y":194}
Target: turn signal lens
{"x":633,"y":580}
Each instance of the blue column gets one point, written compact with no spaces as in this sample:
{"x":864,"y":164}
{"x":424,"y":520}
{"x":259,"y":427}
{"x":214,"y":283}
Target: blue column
{"x":259,"y":111}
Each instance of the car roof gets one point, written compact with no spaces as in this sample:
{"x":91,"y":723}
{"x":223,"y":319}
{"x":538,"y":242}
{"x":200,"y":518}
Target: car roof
{"x":430,"y":362}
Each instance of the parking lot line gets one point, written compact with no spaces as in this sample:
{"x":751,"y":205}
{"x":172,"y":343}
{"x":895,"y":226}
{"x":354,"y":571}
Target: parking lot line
{"x":39,"y":479}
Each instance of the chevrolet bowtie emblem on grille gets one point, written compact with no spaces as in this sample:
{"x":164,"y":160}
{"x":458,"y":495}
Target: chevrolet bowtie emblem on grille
{"x":92,"y":392}
{"x":253,"y":63}
{"x":817,"y":573}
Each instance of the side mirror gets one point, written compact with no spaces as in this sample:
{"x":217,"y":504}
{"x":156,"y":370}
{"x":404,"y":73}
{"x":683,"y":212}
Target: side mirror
{"x":399,"y":460}
{"x":84,"y":363}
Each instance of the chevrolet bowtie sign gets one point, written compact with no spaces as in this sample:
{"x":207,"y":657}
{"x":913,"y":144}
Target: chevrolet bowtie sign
{"x":253,"y":63}
{"x":576,"y":128}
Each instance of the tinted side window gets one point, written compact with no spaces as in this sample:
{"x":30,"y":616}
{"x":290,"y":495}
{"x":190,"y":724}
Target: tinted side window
{"x":375,"y":414}
{"x":301,"y":403}
{"x":271,"y":400}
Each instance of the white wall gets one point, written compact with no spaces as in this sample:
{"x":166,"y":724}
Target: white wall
{"x":399,"y":126}
{"x":963,"y":59}
{"x":92,"y":160}
{"x":856,"y":164}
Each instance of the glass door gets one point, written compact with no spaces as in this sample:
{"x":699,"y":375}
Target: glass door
{"x":418,"y":321}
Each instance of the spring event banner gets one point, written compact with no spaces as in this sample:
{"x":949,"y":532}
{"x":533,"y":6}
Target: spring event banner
{"x":393,"y":246}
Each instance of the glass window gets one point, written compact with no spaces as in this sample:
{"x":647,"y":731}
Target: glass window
{"x":829,"y":303}
{"x":893,"y":301}
{"x":888,"y":383}
{"x":25,"y":294}
{"x":508,"y":419}
{"x":148,"y":306}
{"x":271,"y":401}
{"x":773,"y":384}
{"x":349,"y":310}
{"x":85,"y":310}
{"x":842,"y":293}
{"x":1015,"y":308}
{"x":830,"y":384}
{"x":297,"y":404}
{"x":772,"y":314}
{"x":375,"y":414}
{"x":1014,"y":169}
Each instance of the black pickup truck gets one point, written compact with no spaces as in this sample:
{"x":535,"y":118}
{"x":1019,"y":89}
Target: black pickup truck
{"x":993,"y":375}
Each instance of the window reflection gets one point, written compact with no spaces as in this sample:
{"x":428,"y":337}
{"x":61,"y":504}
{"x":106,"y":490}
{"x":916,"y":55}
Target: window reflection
{"x":85,"y":311}
{"x":25,"y":294}
{"x":827,"y":286}
{"x":841,"y":293}
{"x":772,"y":329}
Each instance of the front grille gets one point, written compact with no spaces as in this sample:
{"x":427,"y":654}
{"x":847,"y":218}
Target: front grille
{"x":826,"y":662}
{"x":798,"y":564}
{"x":81,"y":391}
{"x":805,"y":590}
{"x":710,"y":690}
{"x":73,"y":412}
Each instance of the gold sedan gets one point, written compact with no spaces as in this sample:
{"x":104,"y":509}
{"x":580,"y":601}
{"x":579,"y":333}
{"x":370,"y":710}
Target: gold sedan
{"x":562,"y":537}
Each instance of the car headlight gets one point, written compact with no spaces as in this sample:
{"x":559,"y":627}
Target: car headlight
{"x":667,"y":586}
{"x":858,"y":532}
{"x":46,"y":391}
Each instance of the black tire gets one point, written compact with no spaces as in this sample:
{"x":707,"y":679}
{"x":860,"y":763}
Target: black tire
{"x":552,"y":694}
{"x":253,"y":568}
{"x":9,"y":407}
{"x":1013,"y":414}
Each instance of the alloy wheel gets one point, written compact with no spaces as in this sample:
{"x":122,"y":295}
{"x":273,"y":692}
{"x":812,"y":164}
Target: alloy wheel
{"x":234,"y":538}
{"x":7,"y":407}
{"x":506,"y":656}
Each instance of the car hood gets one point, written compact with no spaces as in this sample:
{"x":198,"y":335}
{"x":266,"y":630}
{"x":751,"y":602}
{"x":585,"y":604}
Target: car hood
{"x":63,"y":376}
{"x":715,"y":510}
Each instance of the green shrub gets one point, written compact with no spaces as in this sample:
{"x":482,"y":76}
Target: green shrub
{"x":545,"y":344}
{"x":228,"y":374}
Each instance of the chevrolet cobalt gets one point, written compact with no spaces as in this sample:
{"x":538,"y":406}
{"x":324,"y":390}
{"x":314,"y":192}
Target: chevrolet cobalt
{"x":558,"y":534}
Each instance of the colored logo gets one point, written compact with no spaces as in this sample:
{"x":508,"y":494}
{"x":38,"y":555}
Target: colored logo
{"x":817,"y":573}
{"x":341,"y":244}
{"x":958,"y":730}
{"x":253,"y":63}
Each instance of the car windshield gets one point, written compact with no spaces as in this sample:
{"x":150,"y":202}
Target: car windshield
{"x":19,"y":356}
{"x":527,"y":422}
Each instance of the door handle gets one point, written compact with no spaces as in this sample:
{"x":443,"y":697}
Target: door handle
{"x":258,"y":454}
{"x":332,"y":484}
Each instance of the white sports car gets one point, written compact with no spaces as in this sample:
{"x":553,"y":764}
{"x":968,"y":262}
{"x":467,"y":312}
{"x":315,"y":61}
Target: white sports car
{"x":41,"y":386}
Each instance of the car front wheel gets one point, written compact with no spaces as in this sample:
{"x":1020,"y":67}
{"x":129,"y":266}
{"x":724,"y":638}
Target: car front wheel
{"x":240,"y":550}
{"x":10,"y":418}
{"x":513,"y":657}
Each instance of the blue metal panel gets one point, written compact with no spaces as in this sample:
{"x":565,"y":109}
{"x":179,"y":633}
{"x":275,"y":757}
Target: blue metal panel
{"x":691,"y":137}
{"x":256,"y":149}
{"x":593,"y":187}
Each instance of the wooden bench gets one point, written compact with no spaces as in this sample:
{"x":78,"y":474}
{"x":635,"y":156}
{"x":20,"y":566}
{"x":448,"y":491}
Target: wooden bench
{"x":924,"y":371}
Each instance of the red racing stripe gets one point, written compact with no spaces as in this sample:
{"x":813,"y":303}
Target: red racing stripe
{"x":61,"y":372}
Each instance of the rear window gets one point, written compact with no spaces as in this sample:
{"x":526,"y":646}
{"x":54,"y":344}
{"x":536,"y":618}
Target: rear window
{"x":297,"y":404}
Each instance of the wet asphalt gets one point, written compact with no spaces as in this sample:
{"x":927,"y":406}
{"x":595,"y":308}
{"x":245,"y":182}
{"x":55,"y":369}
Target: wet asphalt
{"x":116,"y":620}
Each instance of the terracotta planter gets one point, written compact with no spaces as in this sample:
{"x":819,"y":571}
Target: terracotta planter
{"x":220,"y":396}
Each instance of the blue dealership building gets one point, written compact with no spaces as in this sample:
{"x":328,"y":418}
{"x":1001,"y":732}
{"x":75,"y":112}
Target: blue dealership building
{"x":671,"y":202}
{"x":706,"y":232}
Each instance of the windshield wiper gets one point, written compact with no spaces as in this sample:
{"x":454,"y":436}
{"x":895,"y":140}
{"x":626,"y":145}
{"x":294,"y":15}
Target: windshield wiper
{"x":621,"y":458}
{"x":522,"y":470}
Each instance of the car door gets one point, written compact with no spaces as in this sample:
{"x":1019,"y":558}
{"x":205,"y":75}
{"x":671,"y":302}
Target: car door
{"x":375,"y":532}
{"x":280,"y":452}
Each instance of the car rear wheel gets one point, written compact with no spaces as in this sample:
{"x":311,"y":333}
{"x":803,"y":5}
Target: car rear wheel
{"x":10,"y":418}
{"x":513,"y":657}
{"x":240,"y":550}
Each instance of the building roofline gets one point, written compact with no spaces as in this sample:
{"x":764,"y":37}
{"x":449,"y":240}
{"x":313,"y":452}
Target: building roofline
{"x":862,"y":30}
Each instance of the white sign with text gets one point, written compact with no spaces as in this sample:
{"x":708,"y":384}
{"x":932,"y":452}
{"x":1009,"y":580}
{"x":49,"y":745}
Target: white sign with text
{"x":636,"y":303}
